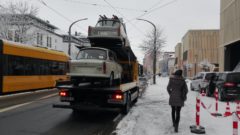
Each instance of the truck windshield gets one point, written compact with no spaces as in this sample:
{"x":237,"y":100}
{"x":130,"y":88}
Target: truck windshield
{"x":92,"y":54}
{"x":109,"y":23}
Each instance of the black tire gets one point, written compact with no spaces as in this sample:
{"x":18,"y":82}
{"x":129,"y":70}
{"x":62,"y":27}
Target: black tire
{"x":127,"y":106}
{"x":136,"y":99}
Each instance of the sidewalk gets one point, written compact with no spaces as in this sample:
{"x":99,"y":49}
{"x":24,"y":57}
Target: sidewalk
{"x":151,"y":115}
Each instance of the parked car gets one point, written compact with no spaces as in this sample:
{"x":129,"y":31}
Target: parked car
{"x":210,"y":89}
{"x":112,"y":29}
{"x":201,"y":81}
{"x":95,"y":64}
{"x":228,"y":84}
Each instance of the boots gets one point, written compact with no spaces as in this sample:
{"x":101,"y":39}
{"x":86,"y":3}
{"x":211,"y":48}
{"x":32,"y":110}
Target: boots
{"x":176,"y":127}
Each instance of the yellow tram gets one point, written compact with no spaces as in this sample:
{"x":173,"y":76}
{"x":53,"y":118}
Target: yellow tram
{"x":25,"y":68}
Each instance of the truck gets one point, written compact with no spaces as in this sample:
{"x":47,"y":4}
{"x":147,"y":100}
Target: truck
{"x":99,"y":96}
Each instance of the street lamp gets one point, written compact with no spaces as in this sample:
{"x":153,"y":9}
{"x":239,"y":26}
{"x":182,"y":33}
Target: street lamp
{"x":195,"y":66}
{"x":70,"y":37}
{"x":154,"y":50}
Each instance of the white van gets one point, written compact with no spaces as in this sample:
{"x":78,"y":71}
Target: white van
{"x":201,"y":81}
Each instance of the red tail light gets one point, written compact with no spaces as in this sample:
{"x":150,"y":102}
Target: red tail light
{"x":118,"y":96}
{"x":228,"y":84}
{"x":104,"y":67}
{"x":63,"y":93}
{"x":89,"y":30}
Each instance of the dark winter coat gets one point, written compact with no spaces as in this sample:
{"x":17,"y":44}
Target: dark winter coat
{"x":177,"y":89}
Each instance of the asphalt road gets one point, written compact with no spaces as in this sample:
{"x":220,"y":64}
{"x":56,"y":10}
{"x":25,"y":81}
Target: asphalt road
{"x":32,"y":114}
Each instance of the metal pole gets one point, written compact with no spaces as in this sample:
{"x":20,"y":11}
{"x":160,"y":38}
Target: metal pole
{"x":154,"y":50}
{"x":195,"y":66}
{"x":70,"y":37}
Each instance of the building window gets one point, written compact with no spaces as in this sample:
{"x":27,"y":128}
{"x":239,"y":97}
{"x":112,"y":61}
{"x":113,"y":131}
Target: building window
{"x":39,"y":39}
{"x":49,"y":42}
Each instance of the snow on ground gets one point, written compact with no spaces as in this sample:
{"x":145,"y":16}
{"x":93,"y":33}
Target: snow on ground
{"x":151,"y":115}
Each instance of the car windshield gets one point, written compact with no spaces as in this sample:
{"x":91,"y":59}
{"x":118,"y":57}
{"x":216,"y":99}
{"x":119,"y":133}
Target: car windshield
{"x":92,"y":54}
{"x":110,"y":23}
{"x":234,"y":77}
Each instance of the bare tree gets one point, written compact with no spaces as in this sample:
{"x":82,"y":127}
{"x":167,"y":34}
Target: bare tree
{"x":15,"y":20}
{"x":147,"y":45}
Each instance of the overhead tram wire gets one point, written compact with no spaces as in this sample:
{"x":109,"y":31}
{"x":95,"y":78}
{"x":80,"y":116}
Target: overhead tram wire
{"x":164,"y":5}
{"x":122,"y":16}
{"x":69,"y":20}
{"x":151,"y":9}
{"x":101,"y":5}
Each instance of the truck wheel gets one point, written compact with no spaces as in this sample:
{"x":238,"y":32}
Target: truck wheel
{"x":136,"y":99}
{"x":127,"y":106}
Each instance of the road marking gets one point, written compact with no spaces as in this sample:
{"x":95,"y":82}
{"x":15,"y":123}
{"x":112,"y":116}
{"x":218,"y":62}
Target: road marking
{"x":13,"y":107}
{"x":48,"y":96}
{"x":23,"y":104}
{"x":119,"y":116}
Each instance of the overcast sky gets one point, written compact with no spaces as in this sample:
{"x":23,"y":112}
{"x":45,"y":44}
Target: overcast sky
{"x":175,"y":17}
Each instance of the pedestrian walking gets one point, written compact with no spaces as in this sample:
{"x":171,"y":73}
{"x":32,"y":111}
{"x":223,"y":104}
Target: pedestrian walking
{"x":211,"y":86}
{"x":177,"y":90}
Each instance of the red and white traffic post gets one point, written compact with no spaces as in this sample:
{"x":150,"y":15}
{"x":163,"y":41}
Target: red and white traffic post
{"x":235,"y":123}
{"x":216,"y":104}
{"x":197,"y":128}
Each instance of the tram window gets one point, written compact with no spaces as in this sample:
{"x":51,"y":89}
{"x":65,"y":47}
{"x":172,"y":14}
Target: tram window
{"x":5,"y":65}
{"x":61,"y":68}
{"x":28,"y":66}
{"x":15,"y":65}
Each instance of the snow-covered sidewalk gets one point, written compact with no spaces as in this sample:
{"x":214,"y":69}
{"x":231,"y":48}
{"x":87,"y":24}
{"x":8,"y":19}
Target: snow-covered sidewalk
{"x":151,"y":115}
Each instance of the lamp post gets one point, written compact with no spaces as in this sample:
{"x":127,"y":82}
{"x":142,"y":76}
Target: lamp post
{"x":154,"y":50}
{"x":195,"y":66}
{"x":70,"y":37}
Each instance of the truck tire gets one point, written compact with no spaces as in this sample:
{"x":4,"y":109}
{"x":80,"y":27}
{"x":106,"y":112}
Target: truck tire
{"x":136,"y":99}
{"x":127,"y":106}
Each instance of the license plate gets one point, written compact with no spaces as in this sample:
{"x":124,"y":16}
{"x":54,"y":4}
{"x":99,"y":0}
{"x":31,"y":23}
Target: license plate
{"x":104,"y":33}
{"x":67,"y":98}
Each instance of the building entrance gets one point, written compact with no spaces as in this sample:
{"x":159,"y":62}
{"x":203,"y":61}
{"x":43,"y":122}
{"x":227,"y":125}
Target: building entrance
{"x":232,"y":56}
